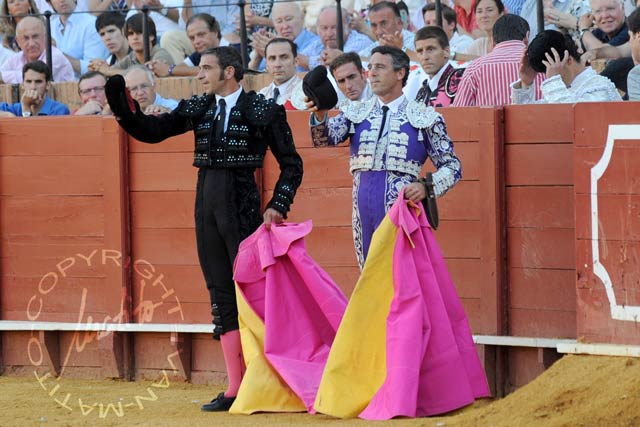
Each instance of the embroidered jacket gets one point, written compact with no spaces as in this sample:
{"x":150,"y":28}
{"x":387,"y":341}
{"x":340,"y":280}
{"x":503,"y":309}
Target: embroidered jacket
{"x":445,"y":93}
{"x":415,"y":133}
{"x":254,"y":125}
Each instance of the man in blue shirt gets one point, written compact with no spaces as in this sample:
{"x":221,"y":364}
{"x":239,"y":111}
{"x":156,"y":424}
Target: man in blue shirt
{"x":36,"y":81}
{"x":288,"y":20}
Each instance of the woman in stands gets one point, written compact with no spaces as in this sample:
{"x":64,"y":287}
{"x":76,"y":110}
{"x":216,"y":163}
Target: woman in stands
{"x":11,"y":12}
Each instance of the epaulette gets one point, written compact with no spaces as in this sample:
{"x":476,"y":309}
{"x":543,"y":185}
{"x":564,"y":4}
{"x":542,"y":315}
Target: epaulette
{"x":259,"y":110}
{"x":195,"y":106}
{"x":420,"y":116}
{"x":358,"y":111}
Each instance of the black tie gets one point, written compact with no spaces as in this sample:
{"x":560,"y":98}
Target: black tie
{"x":384,"y":120}
{"x":425,"y":92}
{"x":220,"y":121}
{"x":276,"y":94}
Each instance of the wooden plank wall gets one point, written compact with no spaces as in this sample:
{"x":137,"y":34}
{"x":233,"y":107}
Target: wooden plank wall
{"x":62,"y":235}
{"x":540,"y":230}
{"x":618,"y":219}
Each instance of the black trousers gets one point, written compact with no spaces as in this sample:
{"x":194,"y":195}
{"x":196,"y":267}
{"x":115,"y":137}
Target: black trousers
{"x":227,"y":210}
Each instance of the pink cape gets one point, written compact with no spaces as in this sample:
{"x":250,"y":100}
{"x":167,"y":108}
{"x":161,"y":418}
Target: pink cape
{"x":417,"y":346}
{"x":299,"y":304}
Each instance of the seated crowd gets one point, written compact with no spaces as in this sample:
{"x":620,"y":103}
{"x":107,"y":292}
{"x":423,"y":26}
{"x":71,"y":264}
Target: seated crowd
{"x":486,"y":53}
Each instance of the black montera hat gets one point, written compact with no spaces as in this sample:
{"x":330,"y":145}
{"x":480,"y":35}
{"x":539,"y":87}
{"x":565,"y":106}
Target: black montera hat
{"x":318,"y":88}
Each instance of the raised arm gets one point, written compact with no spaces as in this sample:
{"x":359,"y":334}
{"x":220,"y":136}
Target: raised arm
{"x":150,"y":129}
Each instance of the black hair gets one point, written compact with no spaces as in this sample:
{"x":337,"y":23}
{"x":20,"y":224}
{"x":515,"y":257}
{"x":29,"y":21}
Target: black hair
{"x":633,"y":21}
{"x":109,"y":18}
{"x":227,"y":57}
{"x":346,"y":58}
{"x":433,"y":32}
{"x":38,"y":67}
{"x":498,"y":3}
{"x":399,"y":59}
{"x":134,"y":24}
{"x":542,"y":44}
{"x":448,"y":14}
{"x":292,"y":45}
{"x":211,"y":22}
{"x":386,"y":5}
{"x":510,"y":27}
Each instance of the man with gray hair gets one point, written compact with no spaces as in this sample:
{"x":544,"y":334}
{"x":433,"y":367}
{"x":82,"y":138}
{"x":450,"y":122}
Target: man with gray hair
{"x":141,"y":84}
{"x":610,"y":25}
{"x":327,"y":44}
{"x":288,"y":21}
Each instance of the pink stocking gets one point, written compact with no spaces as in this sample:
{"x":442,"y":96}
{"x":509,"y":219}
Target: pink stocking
{"x":232,"y":350}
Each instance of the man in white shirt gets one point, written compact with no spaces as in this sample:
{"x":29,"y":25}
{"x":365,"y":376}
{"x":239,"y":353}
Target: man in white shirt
{"x":75,"y":35}
{"x":568,"y":79}
{"x":282,"y":58}
{"x":457,"y":42}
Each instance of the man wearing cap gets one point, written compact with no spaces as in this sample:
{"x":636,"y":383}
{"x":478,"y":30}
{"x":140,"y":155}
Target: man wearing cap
{"x":568,"y":78}
{"x":232,"y":130}
{"x":391,"y":138}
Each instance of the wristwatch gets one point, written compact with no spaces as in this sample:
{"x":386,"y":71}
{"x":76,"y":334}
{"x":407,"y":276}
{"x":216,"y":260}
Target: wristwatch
{"x":452,"y":55}
{"x":26,"y":113}
{"x":164,"y":11}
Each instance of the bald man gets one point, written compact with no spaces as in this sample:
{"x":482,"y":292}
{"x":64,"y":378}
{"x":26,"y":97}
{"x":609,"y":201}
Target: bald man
{"x":288,"y":20}
{"x":31,"y":39}
{"x":327,"y":29}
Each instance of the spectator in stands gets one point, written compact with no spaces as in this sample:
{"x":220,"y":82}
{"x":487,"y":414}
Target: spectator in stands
{"x":110,"y":27}
{"x":11,"y":12}
{"x":92,"y":96}
{"x":568,"y":79}
{"x":486,"y":82}
{"x":288,"y":19}
{"x":203,"y":31}
{"x":257,"y":16}
{"x":133,"y":30}
{"x":170,"y":34}
{"x":281,"y":65}
{"x":633,"y":79}
{"x":487,"y":13}
{"x":466,"y":17}
{"x":98,"y":7}
{"x":350,"y":77}
{"x":327,"y":44}
{"x":225,"y":12}
{"x":386,"y":25}
{"x":441,"y":86}
{"x":457,"y":42}
{"x":31,"y":38}
{"x":611,"y":27}
{"x":558,"y":14}
{"x":75,"y":35}
{"x":36,"y":81}
{"x":141,"y":84}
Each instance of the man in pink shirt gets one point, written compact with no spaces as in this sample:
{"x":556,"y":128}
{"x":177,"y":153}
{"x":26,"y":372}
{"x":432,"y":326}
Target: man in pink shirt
{"x":30,"y":34}
{"x":487,"y":81}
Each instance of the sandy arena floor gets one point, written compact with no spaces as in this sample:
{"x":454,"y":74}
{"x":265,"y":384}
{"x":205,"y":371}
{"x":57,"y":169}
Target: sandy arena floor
{"x":577,"y":391}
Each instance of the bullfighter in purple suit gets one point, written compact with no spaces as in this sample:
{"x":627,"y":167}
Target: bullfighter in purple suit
{"x":391,"y":138}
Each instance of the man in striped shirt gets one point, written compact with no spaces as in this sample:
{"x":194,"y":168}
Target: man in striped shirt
{"x":487,"y":81}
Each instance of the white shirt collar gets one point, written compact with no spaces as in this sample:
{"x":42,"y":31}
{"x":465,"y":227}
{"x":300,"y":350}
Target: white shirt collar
{"x":433,"y":83}
{"x":584,"y":75}
{"x":230,"y":100}
{"x":393,"y":105}
{"x":283,"y":87}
